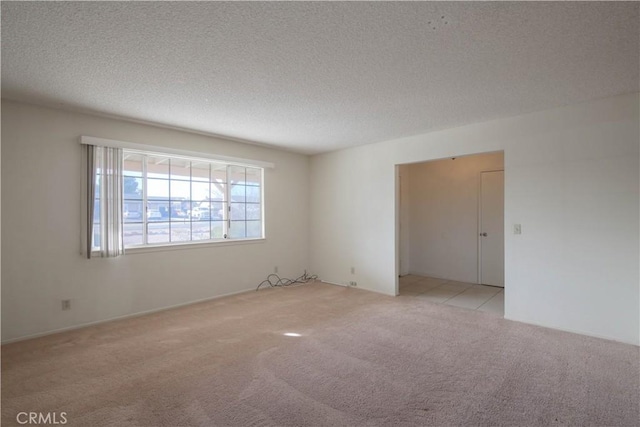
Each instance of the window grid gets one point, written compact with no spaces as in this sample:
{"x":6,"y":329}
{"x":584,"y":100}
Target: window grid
{"x":225,"y":212}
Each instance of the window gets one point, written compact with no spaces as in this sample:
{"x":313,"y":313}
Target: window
{"x":172,"y":199}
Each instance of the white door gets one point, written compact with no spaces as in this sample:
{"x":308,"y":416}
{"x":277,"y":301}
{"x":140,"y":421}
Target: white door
{"x":492,"y":228}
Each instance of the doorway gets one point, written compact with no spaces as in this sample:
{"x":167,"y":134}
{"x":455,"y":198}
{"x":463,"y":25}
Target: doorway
{"x":445,"y":207}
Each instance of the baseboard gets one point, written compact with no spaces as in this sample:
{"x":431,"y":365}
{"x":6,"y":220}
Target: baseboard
{"x":333,"y":283}
{"x":112,"y":319}
{"x":435,"y":276}
{"x":574,"y":331}
{"x":362,"y":288}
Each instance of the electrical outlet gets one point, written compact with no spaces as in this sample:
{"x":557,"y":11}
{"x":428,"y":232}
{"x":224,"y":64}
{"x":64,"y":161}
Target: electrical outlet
{"x":353,"y":283}
{"x":353,"y":270}
{"x":275,"y":269}
{"x":66,"y":304}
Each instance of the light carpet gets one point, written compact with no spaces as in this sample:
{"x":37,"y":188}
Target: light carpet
{"x":362,"y":359}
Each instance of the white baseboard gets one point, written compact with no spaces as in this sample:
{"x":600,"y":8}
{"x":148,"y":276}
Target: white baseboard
{"x":573,"y":331}
{"x":333,"y":283}
{"x":363,"y":288}
{"x":435,"y":276}
{"x":126,"y":316}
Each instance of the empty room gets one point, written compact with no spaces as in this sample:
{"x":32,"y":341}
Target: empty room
{"x":320,"y":213}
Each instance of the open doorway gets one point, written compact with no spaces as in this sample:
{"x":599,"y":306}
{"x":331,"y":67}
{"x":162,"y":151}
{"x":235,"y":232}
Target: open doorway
{"x":451,"y":231}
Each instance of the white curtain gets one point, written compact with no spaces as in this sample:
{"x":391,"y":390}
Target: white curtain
{"x":104,"y":167}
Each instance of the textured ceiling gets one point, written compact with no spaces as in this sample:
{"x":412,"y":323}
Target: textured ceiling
{"x":314,"y":77}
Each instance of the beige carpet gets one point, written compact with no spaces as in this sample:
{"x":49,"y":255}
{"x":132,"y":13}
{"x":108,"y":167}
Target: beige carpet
{"x":362,"y":359}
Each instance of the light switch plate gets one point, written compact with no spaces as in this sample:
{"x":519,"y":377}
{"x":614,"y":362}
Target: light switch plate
{"x":517,"y":229}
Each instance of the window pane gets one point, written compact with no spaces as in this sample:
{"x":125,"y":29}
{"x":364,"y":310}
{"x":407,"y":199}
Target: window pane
{"x":165,"y":210}
{"x":254,"y":229}
{"x":217,"y":210}
{"x":253,"y":194}
{"x":133,"y":234}
{"x":238,"y":211}
{"x":237,"y":175}
{"x":132,"y":210}
{"x":185,"y":207}
{"x":96,"y":211}
{"x":132,"y":188}
{"x":180,"y":231}
{"x":158,"y":232}
{"x":217,"y":229}
{"x":96,"y":236}
{"x":132,"y":165}
{"x":199,"y":191}
{"x":180,"y":190}
{"x":238,"y":193}
{"x":254,"y":176}
{"x":157,"y":210}
{"x":200,"y":211}
{"x":97,"y":192}
{"x":200,"y":171}
{"x":180,"y":169}
{"x":180,"y":209}
{"x":188,"y":209}
{"x":237,"y":230}
{"x":201,"y":230}
{"x":218,"y":191}
{"x":157,"y":188}
{"x":253,"y":211}
{"x":218,"y":173}
{"x":158,"y":167}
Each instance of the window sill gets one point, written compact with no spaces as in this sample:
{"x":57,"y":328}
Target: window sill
{"x":181,"y":246}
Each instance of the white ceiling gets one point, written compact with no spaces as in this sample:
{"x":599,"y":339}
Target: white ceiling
{"x":314,"y":77}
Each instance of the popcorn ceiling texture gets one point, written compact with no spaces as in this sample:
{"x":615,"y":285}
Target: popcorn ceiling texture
{"x":315,"y":77}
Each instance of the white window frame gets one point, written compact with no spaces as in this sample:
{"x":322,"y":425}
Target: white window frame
{"x":149,"y":150}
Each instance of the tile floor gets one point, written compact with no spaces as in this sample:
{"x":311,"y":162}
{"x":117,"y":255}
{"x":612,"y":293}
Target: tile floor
{"x":459,"y":294}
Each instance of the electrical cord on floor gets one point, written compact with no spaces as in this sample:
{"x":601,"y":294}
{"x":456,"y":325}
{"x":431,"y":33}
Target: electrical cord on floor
{"x":275,"y":281}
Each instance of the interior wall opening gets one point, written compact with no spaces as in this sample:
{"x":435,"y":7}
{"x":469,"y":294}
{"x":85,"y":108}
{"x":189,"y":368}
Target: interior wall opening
{"x":451,"y":231}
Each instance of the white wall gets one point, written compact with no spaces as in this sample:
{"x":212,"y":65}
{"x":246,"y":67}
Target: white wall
{"x":571,"y":180}
{"x":41,"y":262}
{"x":443,"y":215}
{"x":404,"y":226}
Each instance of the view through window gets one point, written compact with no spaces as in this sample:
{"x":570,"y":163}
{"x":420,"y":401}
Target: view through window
{"x":169,"y":199}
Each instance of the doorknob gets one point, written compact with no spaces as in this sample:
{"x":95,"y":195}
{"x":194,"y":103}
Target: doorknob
{"x":483,"y":234}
